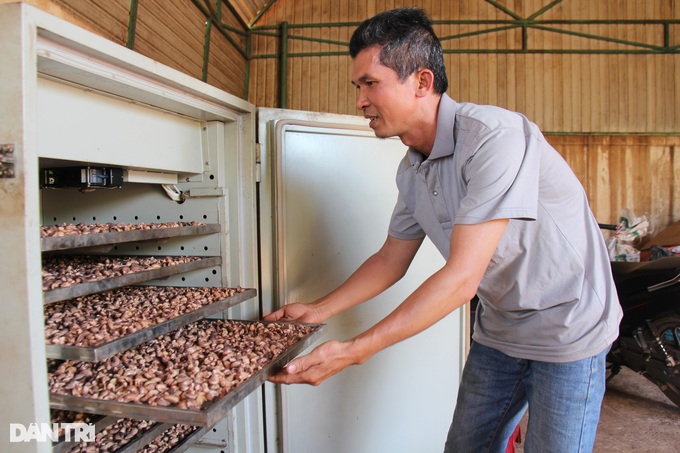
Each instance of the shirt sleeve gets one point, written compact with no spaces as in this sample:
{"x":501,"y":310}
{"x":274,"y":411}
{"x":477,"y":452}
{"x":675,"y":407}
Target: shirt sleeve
{"x":402,"y":223}
{"x":502,"y":178}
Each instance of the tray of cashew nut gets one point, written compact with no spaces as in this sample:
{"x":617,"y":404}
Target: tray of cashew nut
{"x":193,"y":375}
{"x":126,"y":435}
{"x":69,"y":236}
{"x":139,"y":436}
{"x":70,"y":276}
{"x":95,"y":327}
{"x":119,"y":436}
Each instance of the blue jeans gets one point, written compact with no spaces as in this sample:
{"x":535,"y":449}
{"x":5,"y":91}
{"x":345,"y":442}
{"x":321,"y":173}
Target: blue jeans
{"x":563,"y":399}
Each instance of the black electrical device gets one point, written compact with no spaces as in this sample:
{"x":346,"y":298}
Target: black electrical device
{"x":83,"y":178}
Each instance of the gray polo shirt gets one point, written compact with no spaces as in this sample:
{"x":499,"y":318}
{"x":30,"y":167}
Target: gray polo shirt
{"x":548,"y":293}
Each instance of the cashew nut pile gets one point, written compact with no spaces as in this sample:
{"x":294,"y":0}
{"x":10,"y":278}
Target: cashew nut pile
{"x":66,"y":229}
{"x":63,"y":271}
{"x":60,"y":417}
{"x":169,"y":439}
{"x":97,"y":319}
{"x":185,"y":369}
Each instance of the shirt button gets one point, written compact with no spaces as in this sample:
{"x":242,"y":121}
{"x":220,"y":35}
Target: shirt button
{"x":435,"y":193}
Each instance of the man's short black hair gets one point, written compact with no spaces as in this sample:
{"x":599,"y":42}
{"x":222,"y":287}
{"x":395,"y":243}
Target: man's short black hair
{"x":407,"y":43}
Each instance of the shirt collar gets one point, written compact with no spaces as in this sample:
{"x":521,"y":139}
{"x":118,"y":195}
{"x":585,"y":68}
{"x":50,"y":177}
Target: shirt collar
{"x":443,"y":142}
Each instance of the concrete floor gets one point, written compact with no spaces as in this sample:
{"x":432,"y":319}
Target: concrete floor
{"x":636,"y":417}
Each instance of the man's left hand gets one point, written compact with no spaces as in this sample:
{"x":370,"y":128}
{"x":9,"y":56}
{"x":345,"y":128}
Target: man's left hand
{"x":323,"y":362}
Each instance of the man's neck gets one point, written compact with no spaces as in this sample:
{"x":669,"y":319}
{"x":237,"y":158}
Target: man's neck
{"x":424,"y":133}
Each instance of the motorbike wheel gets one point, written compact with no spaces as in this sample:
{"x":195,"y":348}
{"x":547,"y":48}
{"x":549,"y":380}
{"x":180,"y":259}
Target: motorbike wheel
{"x":667,"y":329}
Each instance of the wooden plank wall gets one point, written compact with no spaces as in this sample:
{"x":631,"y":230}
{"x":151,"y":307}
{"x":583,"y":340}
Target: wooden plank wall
{"x":561,"y":92}
{"x":640,"y":173}
{"x":594,"y":98}
{"x":108,"y":18}
{"x":170,"y":32}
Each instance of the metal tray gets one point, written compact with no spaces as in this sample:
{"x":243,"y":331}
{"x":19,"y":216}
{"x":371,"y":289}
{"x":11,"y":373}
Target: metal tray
{"x":106,"y":350}
{"x":73,"y":241}
{"x":213,"y":411}
{"x":83,"y":289}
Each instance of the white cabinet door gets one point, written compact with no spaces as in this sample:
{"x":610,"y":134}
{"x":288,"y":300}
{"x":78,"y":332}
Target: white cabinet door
{"x":327,"y":193}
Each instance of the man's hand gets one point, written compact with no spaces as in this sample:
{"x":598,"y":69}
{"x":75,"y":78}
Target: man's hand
{"x":323,"y":362}
{"x":295,"y":313}
{"x":380,"y":271}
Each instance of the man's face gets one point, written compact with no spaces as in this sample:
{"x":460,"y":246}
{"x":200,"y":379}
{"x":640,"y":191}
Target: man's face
{"x":384,"y":99}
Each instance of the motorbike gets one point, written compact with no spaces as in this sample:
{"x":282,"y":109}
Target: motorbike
{"x":649,"y":333}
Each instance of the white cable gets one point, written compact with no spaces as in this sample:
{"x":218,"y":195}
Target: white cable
{"x":174,"y":193}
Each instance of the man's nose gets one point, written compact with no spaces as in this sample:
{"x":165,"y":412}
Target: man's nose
{"x":362,"y":101}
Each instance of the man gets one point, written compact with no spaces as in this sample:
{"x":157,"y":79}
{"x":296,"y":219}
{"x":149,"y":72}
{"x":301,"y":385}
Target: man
{"x":514,"y":225}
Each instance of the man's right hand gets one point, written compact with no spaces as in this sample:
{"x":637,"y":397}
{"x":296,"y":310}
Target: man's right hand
{"x":295,"y":313}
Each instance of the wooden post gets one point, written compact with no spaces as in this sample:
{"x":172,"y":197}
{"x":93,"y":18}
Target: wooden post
{"x":283,"y":67}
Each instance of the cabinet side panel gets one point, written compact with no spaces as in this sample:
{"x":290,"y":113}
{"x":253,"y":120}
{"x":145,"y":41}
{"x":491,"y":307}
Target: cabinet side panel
{"x":24,"y":387}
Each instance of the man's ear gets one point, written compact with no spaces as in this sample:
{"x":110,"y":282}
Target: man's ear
{"x":425,"y":79}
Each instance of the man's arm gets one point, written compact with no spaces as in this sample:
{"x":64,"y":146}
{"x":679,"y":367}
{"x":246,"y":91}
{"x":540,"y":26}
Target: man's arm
{"x":472,"y":247}
{"x":380,"y":271}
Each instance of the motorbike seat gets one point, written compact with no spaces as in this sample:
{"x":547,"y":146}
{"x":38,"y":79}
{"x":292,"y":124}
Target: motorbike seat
{"x":632,"y":277}
{"x":625,"y":268}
